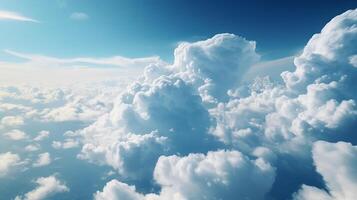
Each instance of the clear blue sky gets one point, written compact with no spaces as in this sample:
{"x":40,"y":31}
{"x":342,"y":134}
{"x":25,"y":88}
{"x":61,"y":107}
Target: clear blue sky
{"x":154,"y":27}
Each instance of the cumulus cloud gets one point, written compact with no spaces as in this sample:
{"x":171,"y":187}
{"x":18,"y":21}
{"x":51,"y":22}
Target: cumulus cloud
{"x":42,"y":135}
{"x":7,"y":161}
{"x":14,"y":16}
{"x":32,"y":147}
{"x":47,"y":187}
{"x":274,"y":120}
{"x":42,"y":160}
{"x":67,"y":144}
{"x":336,"y":162}
{"x":215,"y":65}
{"x":16,"y":134}
{"x":10,"y":121}
{"x":200,"y":127}
{"x":217,"y":175}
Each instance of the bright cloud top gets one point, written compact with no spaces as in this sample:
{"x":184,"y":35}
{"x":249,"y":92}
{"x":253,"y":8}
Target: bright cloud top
{"x":8,"y":15}
{"x":200,"y":104}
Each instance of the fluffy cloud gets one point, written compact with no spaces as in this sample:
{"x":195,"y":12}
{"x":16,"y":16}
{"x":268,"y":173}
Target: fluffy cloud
{"x":7,"y":161}
{"x":336,"y":162}
{"x":47,"y":187}
{"x":200,"y":128}
{"x":42,"y":135}
{"x":16,"y":134}
{"x":215,"y":65}
{"x":11,"y":121}
{"x":203,"y":94}
{"x":32,"y":147}
{"x":42,"y":160}
{"x":217,"y":175}
{"x":118,"y":190}
{"x":67,"y":144}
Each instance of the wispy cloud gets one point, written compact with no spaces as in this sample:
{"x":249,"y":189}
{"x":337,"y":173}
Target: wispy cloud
{"x":9,"y":15}
{"x":114,"y":61}
{"x":54,"y":71}
{"x":80,"y":16}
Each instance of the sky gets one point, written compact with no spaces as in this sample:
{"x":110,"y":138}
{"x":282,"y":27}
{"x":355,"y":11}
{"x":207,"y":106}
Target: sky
{"x":141,"y":29}
{"x":183,"y":100}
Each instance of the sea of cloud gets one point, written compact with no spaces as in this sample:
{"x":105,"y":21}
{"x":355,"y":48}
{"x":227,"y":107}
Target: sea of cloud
{"x":197,"y":129}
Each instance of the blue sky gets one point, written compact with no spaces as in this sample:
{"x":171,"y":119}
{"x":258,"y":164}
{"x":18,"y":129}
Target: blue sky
{"x":147,"y":28}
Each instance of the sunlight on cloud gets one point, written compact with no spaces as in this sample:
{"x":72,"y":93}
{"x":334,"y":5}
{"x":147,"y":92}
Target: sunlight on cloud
{"x":217,"y":123}
{"x":8,"y":15}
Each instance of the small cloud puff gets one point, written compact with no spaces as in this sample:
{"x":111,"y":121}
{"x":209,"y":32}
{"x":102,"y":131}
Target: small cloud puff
{"x":47,"y":187}
{"x":42,"y":160}
{"x":8,"y":160}
{"x":79,"y":16}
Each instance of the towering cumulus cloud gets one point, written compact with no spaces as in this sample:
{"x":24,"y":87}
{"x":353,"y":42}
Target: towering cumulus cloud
{"x":203,"y":133}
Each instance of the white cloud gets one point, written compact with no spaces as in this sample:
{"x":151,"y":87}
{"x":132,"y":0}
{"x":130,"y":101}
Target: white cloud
{"x":173,"y":119}
{"x":67,"y":144}
{"x":215,"y":65}
{"x":39,"y":70}
{"x":272,"y":120}
{"x":16,"y":134}
{"x":42,"y":160}
{"x":116,"y":190}
{"x":336,"y":162}
{"x":32,"y":147}
{"x":47,"y":187}
{"x":7,"y":161}
{"x":11,"y":121}
{"x":9,"y":15}
{"x":217,"y":175}
{"x":80,"y":16}
{"x":42,"y":135}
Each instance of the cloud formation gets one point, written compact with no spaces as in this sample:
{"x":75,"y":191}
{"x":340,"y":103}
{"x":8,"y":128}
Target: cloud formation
{"x":336,"y":162}
{"x":14,"y":16}
{"x":198,"y":128}
{"x":217,"y":175}
{"x":47,"y":187}
{"x":7,"y":161}
{"x":42,"y":160}
{"x":201,"y":104}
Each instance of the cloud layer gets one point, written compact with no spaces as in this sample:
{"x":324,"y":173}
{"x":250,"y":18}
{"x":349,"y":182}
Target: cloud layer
{"x":199,"y":128}
{"x":200,"y":104}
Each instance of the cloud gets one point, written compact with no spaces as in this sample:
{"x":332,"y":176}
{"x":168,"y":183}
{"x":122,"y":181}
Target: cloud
{"x":8,"y":160}
{"x":40,"y":70}
{"x":32,"y":147}
{"x":336,"y":162}
{"x":118,"y":190}
{"x":42,"y":135}
{"x":215,"y":65}
{"x":199,"y":127}
{"x":8,"y":15}
{"x":42,"y":160}
{"x":16,"y":134}
{"x":67,"y":144}
{"x":11,"y":121}
{"x":47,"y":187}
{"x":221,"y":174}
{"x":203,"y":94}
{"x":80,"y":16}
